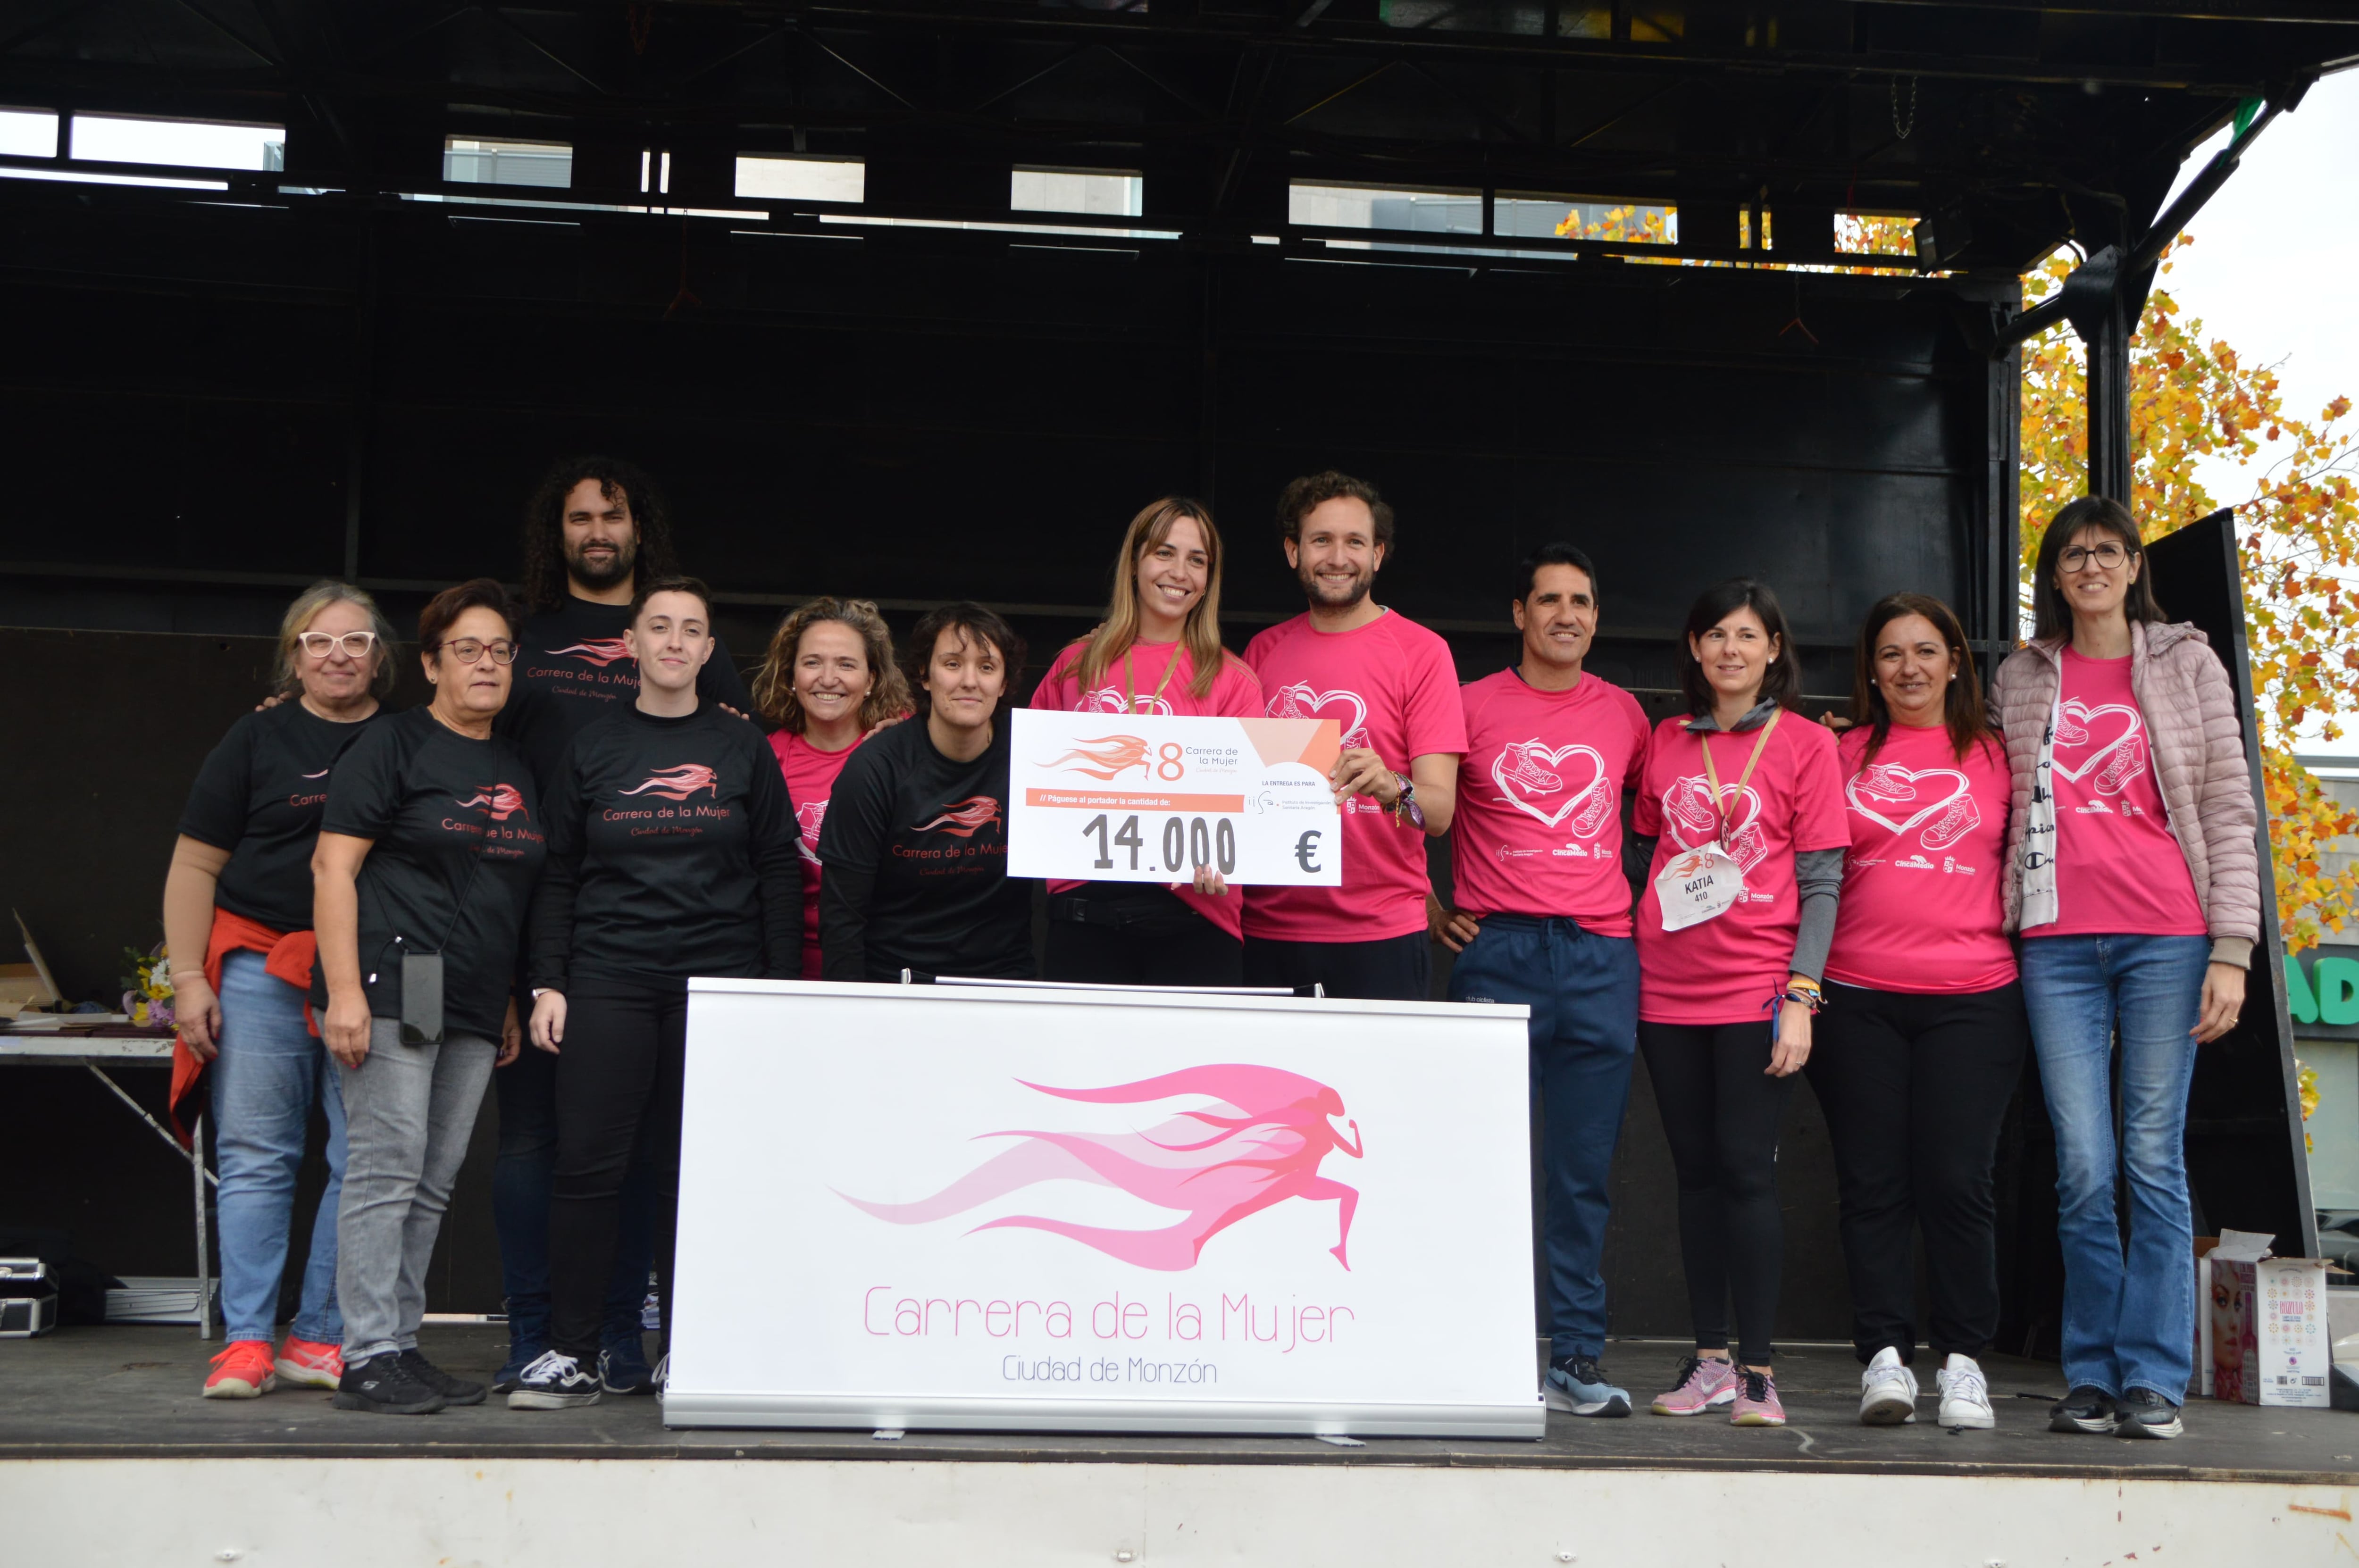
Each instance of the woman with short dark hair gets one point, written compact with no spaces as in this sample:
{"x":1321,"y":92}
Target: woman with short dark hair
{"x":916,"y":838}
{"x":671,"y":853}
{"x":238,"y":923}
{"x":2133,"y":876}
{"x":1732,"y":932}
{"x":1924,"y":1035}
{"x":427,"y":855}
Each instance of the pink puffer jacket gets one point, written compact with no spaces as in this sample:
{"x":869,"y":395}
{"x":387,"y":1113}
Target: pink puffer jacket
{"x":2199,"y":754}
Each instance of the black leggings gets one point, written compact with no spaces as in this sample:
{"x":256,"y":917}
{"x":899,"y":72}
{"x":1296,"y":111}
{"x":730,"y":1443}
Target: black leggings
{"x":1721,"y":1112}
{"x":1914,"y":1088}
{"x":1138,"y":934}
{"x":619,"y":1100}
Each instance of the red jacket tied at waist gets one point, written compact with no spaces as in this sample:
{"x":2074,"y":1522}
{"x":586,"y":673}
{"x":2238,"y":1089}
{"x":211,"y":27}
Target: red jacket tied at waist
{"x":288,"y":956}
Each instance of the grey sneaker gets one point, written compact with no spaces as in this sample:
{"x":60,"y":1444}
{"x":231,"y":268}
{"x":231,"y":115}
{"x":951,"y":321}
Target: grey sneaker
{"x":1578,"y":1385}
{"x":2142,"y":1413}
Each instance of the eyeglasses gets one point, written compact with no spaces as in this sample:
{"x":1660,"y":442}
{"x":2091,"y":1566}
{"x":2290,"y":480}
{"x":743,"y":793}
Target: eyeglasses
{"x":469,"y":650}
{"x":352,"y":644}
{"x":2109,"y":554}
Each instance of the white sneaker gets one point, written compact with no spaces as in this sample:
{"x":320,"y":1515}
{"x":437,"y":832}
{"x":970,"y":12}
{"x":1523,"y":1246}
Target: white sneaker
{"x":1965,"y":1397}
{"x":1887,"y":1391}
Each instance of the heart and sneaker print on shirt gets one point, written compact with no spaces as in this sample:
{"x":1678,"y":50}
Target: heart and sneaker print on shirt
{"x":1539,"y":829}
{"x":2118,"y":866}
{"x":1923,"y":880}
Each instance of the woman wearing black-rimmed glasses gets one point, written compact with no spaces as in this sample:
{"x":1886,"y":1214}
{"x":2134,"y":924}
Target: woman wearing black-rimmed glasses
{"x":426,"y":860}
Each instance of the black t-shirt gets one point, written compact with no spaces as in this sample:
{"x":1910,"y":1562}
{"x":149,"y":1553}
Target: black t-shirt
{"x":259,"y":796}
{"x":672,"y":851}
{"x":571,"y":667}
{"x":458,"y":844}
{"x":916,"y":850}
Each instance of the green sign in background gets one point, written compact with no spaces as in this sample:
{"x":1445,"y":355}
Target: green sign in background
{"x":2328,"y":993}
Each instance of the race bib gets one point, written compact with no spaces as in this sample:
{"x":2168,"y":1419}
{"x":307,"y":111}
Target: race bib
{"x":1697,"y":885}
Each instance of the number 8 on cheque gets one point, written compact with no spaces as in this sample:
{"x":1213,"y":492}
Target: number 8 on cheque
{"x":1148,"y":798}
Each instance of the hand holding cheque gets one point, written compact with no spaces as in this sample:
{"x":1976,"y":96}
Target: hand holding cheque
{"x":1148,"y":798}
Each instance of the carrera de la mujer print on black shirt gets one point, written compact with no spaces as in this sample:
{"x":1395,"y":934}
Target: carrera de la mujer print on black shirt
{"x":456,"y":844}
{"x":673,"y":851}
{"x":571,"y":667}
{"x":916,"y":849}
{"x":259,"y":796}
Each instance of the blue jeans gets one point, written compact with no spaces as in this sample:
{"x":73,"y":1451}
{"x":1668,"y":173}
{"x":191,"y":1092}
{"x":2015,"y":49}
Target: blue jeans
{"x":524,"y":1180}
{"x":1583,"y":989}
{"x":2128,"y":1320}
{"x":265,"y":1082}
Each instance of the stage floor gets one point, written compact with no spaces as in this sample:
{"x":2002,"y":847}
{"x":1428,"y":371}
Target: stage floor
{"x":132,"y":1393}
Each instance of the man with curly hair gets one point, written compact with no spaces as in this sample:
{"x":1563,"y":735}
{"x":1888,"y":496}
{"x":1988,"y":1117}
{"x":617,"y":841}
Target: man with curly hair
{"x":594,"y":527}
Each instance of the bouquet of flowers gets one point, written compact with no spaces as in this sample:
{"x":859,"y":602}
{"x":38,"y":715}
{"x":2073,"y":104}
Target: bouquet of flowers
{"x":147,"y":989}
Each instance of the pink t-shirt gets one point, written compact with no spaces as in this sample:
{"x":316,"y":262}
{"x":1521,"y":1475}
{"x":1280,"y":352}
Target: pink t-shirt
{"x":1158,"y":678}
{"x":810,"y":779}
{"x":1391,"y":687}
{"x":1724,"y":969}
{"x":1923,"y":885}
{"x":2118,"y":867}
{"x":1538,"y":826}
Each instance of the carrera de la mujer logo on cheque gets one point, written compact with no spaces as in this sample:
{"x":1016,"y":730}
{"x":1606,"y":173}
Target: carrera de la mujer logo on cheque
{"x":1154,"y":798}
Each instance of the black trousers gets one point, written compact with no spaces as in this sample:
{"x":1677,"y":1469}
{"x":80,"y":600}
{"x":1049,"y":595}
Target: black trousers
{"x":1914,"y":1088}
{"x":1721,"y":1115}
{"x":618,"y":1101}
{"x":1390,"y":968}
{"x":1136,"y":935}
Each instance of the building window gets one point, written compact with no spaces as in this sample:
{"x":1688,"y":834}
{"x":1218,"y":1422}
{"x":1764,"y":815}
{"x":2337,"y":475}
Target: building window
{"x":1376,"y":207}
{"x":28,"y":133}
{"x":1111,"y":192}
{"x":181,"y":144}
{"x":1875,"y":234}
{"x":1580,"y":218}
{"x":803,"y":178}
{"x":482,"y":160}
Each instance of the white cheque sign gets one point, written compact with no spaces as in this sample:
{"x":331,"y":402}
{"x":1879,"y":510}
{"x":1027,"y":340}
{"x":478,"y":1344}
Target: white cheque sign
{"x":1148,"y":798}
{"x":1104,"y":1209}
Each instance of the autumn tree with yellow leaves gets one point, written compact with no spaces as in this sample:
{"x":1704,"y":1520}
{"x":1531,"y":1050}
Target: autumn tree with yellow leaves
{"x":2193,"y":398}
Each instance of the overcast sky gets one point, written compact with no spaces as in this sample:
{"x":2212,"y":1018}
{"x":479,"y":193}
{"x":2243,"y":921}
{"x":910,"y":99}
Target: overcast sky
{"x":2271,"y":270}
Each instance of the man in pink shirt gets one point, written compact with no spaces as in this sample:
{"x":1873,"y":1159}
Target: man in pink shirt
{"x":1392,"y":688}
{"x":1543,"y":918}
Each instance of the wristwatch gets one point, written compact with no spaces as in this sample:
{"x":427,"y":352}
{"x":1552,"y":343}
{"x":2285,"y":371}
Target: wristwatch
{"x":1405,"y":809}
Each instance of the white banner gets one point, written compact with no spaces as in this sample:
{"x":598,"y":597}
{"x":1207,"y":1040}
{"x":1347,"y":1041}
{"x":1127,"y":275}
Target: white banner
{"x":1035,"y":1208}
{"x":1148,"y":798}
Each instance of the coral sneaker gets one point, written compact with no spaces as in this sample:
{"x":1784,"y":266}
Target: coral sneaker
{"x":1705,"y":1382}
{"x":1756,"y":1401}
{"x":311,"y":1363}
{"x":242,"y":1371}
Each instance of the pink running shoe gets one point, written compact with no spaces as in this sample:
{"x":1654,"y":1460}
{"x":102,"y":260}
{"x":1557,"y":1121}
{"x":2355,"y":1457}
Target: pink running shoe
{"x":311,"y":1363}
{"x":1704,"y":1383}
{"x":1756,"y":1401}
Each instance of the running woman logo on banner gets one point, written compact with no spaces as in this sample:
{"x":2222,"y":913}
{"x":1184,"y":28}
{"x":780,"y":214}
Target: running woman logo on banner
{"x":1257,"y":1140}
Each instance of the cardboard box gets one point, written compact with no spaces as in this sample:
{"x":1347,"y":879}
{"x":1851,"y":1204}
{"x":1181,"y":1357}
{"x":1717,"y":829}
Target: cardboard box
{"x":2265,"y":1320}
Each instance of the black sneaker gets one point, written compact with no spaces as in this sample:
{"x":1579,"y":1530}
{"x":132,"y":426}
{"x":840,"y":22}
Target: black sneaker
{"x":555,"y":1382}
{"x":524,"y":1346}
{"x":2145,"y":1413}
{"x":383,"y":1384}
{"x":454,"y":1391}
{"x":623,"y":1368}
{"x":2084,"y":1409}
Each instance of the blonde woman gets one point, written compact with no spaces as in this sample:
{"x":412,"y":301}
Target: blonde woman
{"x":1158,"y":651}
{"x":828,"y":681}
{"x":237,"y":921}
